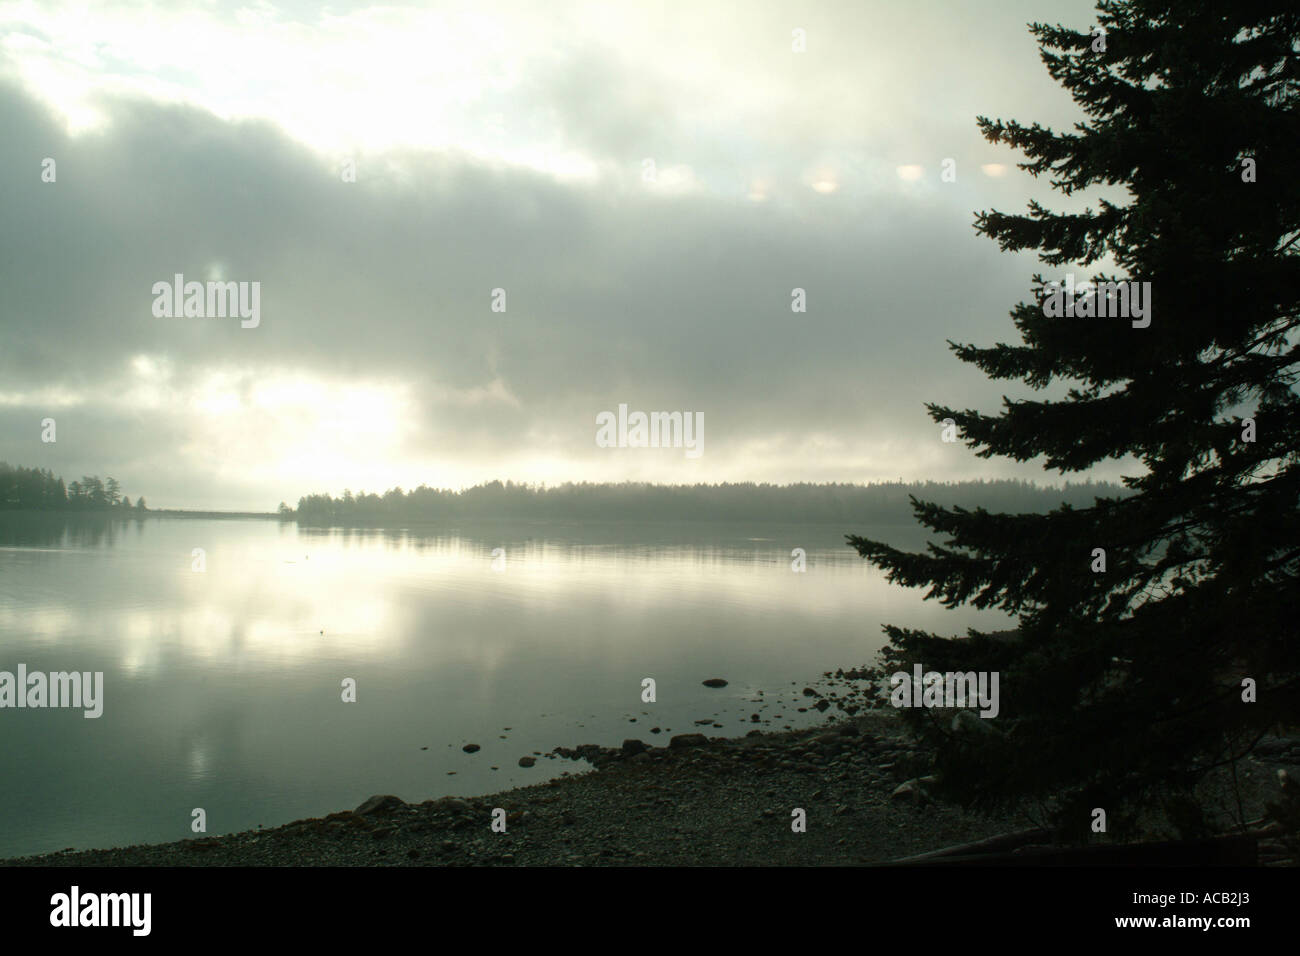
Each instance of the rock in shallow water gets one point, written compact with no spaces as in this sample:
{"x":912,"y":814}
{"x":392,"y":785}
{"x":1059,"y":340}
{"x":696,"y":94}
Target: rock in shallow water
{"x":380,"y":803}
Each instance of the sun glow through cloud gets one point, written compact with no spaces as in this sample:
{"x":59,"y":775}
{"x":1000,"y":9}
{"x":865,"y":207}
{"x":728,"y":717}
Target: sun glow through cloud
{"x":496,"y":143}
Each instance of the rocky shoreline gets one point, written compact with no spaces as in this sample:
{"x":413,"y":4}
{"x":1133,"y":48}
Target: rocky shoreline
{"x":696,"y":802}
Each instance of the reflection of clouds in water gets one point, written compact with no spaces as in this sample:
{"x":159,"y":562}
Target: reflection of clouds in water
{"x":276,"y":596}
{"x":45,"y":625}
{"x":222,"y":683}
{"x":198,"y":763}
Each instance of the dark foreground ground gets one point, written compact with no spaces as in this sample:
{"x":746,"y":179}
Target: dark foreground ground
{"x":700,"y":802}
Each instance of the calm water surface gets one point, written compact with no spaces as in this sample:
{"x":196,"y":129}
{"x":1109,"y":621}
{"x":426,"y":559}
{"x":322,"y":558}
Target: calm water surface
{"x":223,"y":688}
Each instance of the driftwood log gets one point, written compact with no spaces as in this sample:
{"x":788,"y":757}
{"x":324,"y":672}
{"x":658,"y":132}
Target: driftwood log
{"x":1025,"y":849}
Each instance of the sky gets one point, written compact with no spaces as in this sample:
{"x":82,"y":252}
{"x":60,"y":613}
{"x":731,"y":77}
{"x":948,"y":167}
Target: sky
{"x":647,"y":183}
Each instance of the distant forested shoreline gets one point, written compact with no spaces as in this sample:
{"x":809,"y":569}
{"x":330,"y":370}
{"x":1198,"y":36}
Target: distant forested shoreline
{"x":641,"y":501}
{"x":40,"y":489}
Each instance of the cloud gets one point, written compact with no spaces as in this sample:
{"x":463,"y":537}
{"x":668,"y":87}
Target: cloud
{"x":379,"y":358}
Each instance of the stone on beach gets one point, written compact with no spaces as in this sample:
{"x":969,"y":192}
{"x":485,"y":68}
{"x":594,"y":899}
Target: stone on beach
{"x":916,"y":790}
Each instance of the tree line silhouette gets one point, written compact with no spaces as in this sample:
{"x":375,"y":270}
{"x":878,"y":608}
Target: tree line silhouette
{"x":641,"y":501}
{"x":40,"y":489}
